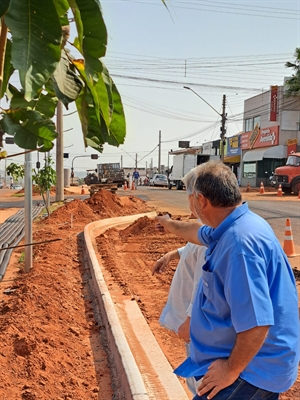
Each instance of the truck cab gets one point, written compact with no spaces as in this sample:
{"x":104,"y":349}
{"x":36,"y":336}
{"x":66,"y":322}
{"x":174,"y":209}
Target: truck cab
{"x":288,"y":176}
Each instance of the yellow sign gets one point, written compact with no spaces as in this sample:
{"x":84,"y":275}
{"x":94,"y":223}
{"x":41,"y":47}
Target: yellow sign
{"x":254,"y":136}
{"x":290,"y":142}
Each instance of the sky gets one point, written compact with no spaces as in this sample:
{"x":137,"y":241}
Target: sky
{"x":236,"y":48}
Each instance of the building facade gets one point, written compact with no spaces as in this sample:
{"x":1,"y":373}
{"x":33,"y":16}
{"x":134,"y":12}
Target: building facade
{"x":271,"y":131}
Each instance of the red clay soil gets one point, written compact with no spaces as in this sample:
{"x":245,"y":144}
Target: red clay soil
{"x":52,"y":337}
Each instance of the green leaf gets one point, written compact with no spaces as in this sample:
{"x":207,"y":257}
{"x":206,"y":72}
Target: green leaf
{"x":36,"y":33}
{"x":4,"y":4}
{"x":8,"y":67}
{"x":31,"y":130}
{"x":92,"y":33}
{"x":118,"y":122}
{"x":45,"y":104}
{"x":67,"y":84}
{"x":79,"y":65}
{"x":62,"y":7}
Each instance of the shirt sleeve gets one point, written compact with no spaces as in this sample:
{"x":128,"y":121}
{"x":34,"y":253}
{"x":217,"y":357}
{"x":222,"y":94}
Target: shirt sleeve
{"x":247,"y":293}
{"x":204,"y":234}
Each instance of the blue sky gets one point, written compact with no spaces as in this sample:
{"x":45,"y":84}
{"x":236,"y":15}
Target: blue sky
{"x":237,"y":48}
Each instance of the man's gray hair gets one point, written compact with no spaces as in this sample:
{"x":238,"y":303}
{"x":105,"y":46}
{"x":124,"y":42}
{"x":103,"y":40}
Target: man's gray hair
{"x":189,"y":181}
{"x":216,"y":182}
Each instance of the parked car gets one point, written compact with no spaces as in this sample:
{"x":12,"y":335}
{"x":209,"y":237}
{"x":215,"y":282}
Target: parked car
{"x":159,"y":180}
{"x":16,"y":187}
{"x":1,"y":185}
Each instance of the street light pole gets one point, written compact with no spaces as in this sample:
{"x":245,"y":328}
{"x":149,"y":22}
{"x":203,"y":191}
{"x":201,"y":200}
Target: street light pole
{"x":93,"y":156}
{"x":223,"y":119}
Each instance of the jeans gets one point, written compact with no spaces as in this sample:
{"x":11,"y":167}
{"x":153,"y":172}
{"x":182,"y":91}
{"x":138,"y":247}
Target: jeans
{"x":241,"y":390}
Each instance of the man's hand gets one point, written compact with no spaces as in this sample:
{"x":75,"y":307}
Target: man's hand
{"x":162,"y":222}
{"x":184,"y":330}
{"x":163,"y":262}
{"x":218,"y":377}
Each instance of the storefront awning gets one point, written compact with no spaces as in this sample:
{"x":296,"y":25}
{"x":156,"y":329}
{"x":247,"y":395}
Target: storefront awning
{"x":270,"y":152}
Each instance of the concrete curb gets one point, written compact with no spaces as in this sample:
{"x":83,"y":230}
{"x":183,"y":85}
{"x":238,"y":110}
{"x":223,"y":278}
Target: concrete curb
{"x":130,"y":376}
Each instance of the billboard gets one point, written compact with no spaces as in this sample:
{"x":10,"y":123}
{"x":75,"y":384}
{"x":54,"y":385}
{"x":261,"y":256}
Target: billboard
{"x":185,"y":144}
{"x":257,"y":138}
{"x":233,"y":146}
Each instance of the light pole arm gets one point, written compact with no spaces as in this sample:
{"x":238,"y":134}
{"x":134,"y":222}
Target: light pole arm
{"x":186,"y":87}
{"x":72,"y":168}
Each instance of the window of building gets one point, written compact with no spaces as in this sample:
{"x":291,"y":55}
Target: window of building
{"x":256,"y":120}
{"x":248,"y":125}
{"x":266,"y":166}
{"x":249,"y":170}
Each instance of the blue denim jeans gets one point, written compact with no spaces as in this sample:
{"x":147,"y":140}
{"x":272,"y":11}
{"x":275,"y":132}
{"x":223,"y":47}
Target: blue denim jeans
{"x":241,"y":390}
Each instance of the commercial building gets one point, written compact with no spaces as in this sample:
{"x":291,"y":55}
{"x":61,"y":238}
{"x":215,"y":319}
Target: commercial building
{"x":271,"y":131}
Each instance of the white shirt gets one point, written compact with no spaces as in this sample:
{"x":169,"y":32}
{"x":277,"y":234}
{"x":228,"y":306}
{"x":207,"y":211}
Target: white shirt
{"x":183,"y":286}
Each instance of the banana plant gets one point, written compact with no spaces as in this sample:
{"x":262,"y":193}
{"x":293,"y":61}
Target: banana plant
{"x":35,"y":44}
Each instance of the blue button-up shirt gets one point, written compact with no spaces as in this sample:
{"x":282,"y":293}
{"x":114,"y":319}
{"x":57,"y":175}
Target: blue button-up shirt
{"x":247,"y":282}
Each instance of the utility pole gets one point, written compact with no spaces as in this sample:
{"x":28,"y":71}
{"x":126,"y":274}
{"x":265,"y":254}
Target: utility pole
{"x":28,"y":211}
{"x":136,"y":160}
{"x":159,"y":151}
{"x":121,"y":162}
{"x":223,"y":128}
{"x":59,"y":196}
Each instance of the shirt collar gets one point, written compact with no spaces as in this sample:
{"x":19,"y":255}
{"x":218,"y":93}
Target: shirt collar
{"x":232,"y":217}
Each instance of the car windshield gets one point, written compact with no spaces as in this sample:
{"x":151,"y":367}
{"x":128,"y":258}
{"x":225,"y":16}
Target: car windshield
{"x":162,"y":177}
{"x":293,"y":160}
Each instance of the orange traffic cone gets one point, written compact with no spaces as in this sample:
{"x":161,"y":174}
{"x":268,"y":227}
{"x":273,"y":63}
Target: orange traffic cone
{"x":261,"y":189}
{"x":288,"y":244}
{"x":132,"y":186}
{"x":125,"y":185}
{"x":82,"y":190}
{"x":248,"y":187}
{"x":279,"y":192}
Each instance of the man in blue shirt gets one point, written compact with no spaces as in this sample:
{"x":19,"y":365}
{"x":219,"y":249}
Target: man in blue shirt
{"x":244,"y":323}
{"x":135,"y":177}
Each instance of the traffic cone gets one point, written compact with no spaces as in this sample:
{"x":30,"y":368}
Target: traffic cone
{"x":261,"y":189}
{"x":248,"y":187}
{"x":279,"y":192}
{"x":132,"y":186}
{"x":288,"y":244}
{"x":82,"y":190}
{"x":125,"y":185}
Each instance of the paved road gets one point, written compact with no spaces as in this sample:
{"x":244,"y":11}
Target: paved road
{"x":274,"y":212}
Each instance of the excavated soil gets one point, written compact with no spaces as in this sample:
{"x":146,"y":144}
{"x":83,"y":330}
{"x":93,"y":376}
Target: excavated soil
{"x":52,"y":335}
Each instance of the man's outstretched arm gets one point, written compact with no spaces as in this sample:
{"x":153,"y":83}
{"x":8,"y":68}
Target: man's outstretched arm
{"x":185,"y":230}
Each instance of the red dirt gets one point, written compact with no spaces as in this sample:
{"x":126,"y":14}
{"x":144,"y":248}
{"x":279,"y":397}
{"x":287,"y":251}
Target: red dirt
{"x":50,"y":329}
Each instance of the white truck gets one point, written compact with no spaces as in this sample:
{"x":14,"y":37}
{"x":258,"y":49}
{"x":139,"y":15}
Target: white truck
{"x":182,"y":164}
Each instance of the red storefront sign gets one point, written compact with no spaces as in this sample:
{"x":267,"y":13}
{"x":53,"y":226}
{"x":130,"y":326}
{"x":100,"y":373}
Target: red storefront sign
{"x":255,"y":139}
{"x":273,"y":103}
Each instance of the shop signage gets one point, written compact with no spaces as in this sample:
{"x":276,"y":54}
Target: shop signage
{"x":292,"y":145}
{"x":264,"y":137}
{"x":273,"y":103}
{"x":208,"y":148}
{"x":290,"y":142}
{"x":233,"y":146}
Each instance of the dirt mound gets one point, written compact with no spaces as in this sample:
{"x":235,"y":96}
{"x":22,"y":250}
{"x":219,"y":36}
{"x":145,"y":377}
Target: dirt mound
{"x":107,"y":204}
{"x":143,"y":226}
{"x":79,"y":211}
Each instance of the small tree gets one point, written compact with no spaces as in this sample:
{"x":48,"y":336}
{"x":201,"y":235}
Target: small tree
{"x":45,"y":178}
{"x":16,"y":171}
{"x":293,"y":84}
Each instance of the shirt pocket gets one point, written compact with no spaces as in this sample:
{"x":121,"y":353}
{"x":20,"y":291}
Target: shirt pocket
{"x":207,"y":284}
